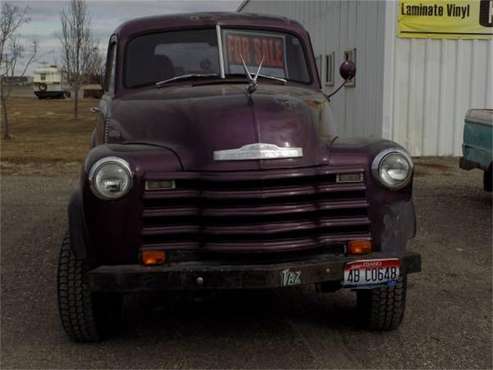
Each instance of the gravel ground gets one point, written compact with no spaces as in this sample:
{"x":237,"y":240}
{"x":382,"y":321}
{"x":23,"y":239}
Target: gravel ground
{"x":447,"y":325}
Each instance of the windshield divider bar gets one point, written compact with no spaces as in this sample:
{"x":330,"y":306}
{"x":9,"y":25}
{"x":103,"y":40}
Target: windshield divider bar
{"x":220,"y":48}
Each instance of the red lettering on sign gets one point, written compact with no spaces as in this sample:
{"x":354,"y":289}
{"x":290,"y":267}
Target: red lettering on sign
{"x":258,"y":50}
{"x":265,"y":52}
{"x":237,"y":50}
{"x":231,"y":48}
{"x":245,"y":49}
{"x":271,"y":53}
{"x":279,"y":56}
{"x":254,"y":49}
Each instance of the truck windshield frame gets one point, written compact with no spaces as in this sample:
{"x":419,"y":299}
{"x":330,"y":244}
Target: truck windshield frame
{"x":144,"y":50}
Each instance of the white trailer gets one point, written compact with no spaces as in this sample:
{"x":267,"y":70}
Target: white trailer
{"x":47,"y":83}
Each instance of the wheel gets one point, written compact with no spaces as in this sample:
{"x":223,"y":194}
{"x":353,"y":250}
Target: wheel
{"x":85,"y":316}
{"x":488,"y":179}
{"x":383,"y":308}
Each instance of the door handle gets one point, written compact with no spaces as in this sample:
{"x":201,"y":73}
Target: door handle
{"x":95,"y":109}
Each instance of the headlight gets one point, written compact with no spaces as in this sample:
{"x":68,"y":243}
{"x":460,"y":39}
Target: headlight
{"x":393,"y":168}
{"x":110,"y":178}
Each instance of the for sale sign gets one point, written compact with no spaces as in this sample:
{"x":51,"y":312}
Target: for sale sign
{"x":254,"y":47}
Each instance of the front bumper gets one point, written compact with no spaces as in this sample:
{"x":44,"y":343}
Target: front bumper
{"x":210,"y":275}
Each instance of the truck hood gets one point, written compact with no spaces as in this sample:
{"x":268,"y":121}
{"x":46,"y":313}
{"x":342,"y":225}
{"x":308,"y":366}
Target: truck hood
{"x":194,"y":122}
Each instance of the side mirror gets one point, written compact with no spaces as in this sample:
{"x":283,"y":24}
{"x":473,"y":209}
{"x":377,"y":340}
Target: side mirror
{"x":347,"y":70}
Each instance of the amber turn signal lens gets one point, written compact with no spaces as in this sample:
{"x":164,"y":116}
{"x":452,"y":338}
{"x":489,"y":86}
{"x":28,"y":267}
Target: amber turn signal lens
{"x":151,"y":258}
{"x":359,"y":246}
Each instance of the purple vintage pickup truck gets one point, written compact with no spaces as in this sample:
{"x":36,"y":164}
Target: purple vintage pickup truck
{"x":215,"y":165}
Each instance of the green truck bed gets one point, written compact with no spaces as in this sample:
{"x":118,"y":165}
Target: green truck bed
{"x":477,"y":147}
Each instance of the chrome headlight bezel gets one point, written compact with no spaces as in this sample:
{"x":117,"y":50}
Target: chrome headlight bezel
{"x":98,"y":166}
{"x":380,"y":159}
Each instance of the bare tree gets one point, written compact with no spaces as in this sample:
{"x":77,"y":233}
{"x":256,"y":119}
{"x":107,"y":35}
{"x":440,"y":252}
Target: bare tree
{"x":95,"y":67}
{"x":12,"y":56}
{"x":78,"y":46}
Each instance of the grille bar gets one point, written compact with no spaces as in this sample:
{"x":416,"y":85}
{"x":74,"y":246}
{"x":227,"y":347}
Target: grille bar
{"x":273,"y":213}
{"x":290,"y":208}
{"x":253,"y":229}
{"x":282,"y":245}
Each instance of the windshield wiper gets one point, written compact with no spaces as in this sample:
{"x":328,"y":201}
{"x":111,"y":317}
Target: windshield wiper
{"x":278,"y":79}
{"x":188,"y":76}
{"x":267,"y":77}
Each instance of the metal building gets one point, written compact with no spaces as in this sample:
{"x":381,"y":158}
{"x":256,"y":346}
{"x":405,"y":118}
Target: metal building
{"x":413,"y":91}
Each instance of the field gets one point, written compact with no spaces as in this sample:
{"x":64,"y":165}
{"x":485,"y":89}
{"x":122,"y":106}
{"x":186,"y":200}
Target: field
{"x":46,"y":138}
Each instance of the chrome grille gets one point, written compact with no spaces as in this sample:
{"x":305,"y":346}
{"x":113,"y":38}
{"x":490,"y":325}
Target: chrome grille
{"x":255,"y":215}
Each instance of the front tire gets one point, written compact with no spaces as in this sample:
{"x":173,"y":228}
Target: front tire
{"x":382,"y":309}
{"x":85,"y":316}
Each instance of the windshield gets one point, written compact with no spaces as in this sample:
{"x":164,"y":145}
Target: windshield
{"x":163,"y":56}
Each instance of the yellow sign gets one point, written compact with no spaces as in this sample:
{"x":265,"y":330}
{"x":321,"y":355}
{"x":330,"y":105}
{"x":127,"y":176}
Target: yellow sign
{"x":446,"y":19}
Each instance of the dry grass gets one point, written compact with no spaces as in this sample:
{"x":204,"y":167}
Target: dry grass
{"x":46,"y":135}
{"x":44,"y":130}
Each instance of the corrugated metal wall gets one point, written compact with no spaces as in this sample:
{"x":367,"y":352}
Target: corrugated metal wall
{"x":415,"y":92}
{"x":436,"y":82}
{"x":338,"y":26}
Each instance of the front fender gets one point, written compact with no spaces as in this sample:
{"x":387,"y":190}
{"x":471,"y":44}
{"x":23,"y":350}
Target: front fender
{"x":113,"y":225}
{"x":391,"y":212}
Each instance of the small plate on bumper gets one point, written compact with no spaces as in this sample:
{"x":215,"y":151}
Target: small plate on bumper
{"x":370,"y":273}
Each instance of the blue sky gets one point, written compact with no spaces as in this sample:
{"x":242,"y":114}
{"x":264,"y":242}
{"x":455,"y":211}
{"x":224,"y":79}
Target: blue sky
{"x":106,"y":15}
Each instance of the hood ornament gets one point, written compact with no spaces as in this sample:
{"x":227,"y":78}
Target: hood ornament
{"x":252,"y":78}
{"x":252,"y":81}
{"x":257,"y":151}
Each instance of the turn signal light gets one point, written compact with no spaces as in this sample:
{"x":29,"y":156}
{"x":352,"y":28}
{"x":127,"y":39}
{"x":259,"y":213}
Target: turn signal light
{"x":160,"y":184}
{"x":151,"y":258}
{"x":359,"y":246}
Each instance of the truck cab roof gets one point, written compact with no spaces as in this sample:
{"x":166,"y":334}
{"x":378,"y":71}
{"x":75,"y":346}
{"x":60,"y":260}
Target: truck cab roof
{"x":207,"y":19}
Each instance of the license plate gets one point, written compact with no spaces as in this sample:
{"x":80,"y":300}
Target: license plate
{"x":290,"y":278}
{"x":367,"y":273}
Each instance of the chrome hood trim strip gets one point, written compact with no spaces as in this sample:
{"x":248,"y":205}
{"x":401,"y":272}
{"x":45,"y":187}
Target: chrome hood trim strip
{"x":257,"y":151}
